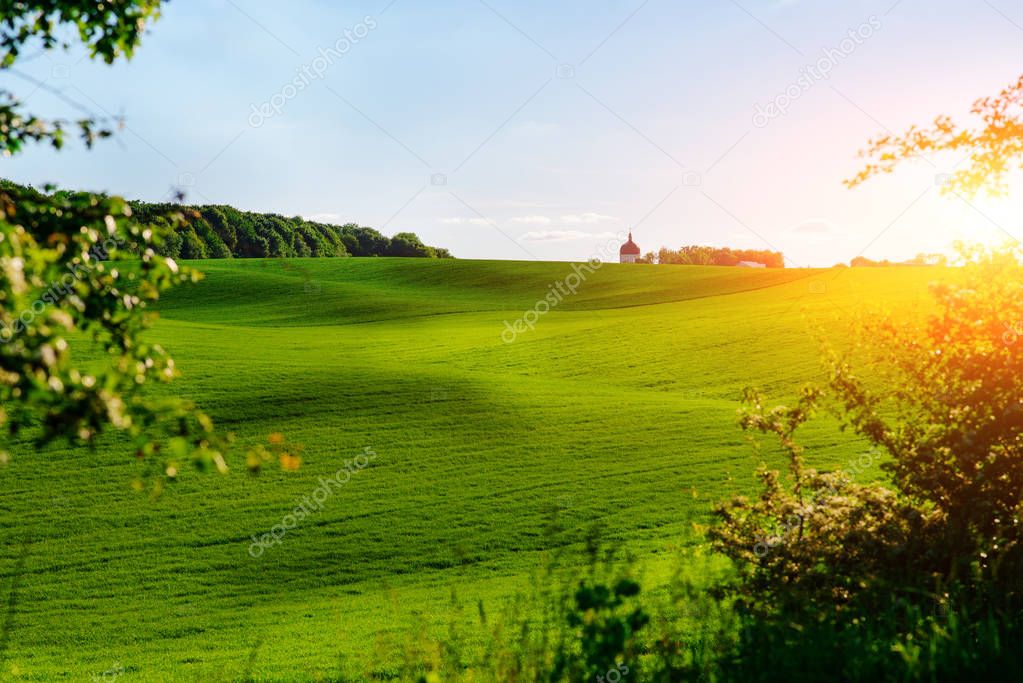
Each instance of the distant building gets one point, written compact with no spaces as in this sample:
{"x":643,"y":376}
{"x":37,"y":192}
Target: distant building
{"x":750,"y":264}
{"x":629,"y":251}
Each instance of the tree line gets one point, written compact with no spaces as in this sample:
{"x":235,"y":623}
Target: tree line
{"x":695,"y":255}
{"x":222,"y":231}
{"x":918,"y":260}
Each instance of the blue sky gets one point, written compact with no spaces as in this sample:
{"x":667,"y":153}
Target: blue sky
{"x":530,"y":129}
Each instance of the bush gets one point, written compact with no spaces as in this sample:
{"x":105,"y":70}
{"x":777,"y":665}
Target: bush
{"x":833,"y":571}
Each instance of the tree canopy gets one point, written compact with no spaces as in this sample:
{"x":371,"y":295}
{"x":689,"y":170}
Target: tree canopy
{"x":59,"y":290}
{"x":108,"y":30}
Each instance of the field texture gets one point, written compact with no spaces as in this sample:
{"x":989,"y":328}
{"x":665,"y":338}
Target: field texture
{"x":618,"y":407}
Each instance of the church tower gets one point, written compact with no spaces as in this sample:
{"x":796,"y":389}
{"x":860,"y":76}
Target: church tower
{"x":629,"y":251}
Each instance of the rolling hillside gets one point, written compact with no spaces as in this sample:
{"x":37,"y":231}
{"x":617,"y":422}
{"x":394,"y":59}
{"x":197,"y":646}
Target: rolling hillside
{"x":619,"y":407}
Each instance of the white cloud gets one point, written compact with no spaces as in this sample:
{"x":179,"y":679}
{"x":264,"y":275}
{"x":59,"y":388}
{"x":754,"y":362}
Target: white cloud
{"x":562,"y":236}
{"x":586,"y":218}
{"x":532,"y":220}
{"x":541,"y":220}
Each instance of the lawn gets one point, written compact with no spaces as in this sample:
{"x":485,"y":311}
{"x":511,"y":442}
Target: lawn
{"x":618,"y":408}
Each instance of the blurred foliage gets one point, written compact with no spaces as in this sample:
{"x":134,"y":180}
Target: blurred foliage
{"x":572,"y":625}
{"x":288,"y":455}
{"x":108,"y":30}
{"x":993,"y":148}
{"x":59,"y":288}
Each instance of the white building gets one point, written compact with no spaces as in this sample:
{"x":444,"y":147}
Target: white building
{"x":750,"y":264}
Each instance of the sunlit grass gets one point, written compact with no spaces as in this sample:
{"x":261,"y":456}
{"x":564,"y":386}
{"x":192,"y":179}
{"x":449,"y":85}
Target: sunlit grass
{"x":618,"y":408}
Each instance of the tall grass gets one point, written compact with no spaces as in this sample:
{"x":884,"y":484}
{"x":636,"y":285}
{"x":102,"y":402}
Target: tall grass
{"x":694,"y":631}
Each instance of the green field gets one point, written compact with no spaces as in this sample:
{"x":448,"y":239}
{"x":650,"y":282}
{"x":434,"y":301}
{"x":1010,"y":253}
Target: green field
{"x":619,"y":408}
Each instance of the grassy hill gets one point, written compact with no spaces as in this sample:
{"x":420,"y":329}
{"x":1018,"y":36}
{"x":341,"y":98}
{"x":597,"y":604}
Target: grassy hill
{"x":619,"y":408}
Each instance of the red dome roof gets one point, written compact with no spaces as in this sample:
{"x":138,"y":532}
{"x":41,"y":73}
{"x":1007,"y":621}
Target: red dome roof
{"x":630,"y":248}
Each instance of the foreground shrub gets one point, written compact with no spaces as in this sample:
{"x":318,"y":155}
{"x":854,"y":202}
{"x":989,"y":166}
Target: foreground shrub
{"x":834,"y":571}
{"x":898,"y":643}
{"x":574,"y":624}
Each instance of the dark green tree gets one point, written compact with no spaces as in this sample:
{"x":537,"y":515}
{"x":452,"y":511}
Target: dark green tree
{"x":408,"y":244}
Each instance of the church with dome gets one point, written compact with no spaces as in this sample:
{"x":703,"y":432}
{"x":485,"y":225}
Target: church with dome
{"x":629,"y":251}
